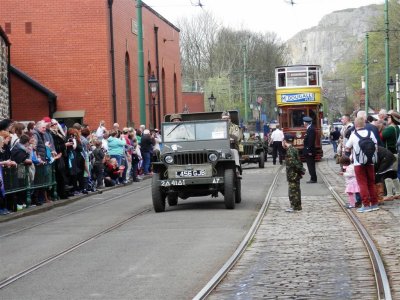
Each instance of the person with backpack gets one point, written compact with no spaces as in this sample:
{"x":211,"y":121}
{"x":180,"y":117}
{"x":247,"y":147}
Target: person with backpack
{"x":363,"y":145}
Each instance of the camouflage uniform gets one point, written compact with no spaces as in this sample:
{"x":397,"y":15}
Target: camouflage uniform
{"x":294,"y":172}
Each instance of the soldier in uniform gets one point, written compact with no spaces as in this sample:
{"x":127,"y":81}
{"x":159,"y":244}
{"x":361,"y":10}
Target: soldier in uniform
{"x":235,"y":136}
{"x":294,"y":172}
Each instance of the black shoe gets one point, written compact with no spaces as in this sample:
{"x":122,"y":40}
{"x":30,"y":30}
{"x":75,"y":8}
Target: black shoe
{"x":311,"y":181}
{"x":85,"y":192}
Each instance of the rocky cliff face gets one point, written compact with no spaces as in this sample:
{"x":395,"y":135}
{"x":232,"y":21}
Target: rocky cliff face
{"x":338,"y":37}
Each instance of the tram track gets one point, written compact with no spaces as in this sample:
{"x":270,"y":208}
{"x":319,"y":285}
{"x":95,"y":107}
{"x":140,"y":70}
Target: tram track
{"x":11,"y":279}
{"x":212,"y":284}
{"x":23,"y":229}
{"x":381,"y":280}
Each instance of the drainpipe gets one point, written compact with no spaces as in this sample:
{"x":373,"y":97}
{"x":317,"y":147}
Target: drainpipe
{"x":142,"y":100}
{"x":158,"y":77}
{"x":114,"y":97}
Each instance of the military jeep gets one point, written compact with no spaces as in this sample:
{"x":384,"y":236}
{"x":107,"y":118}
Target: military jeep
{"x":252,"y":151}
{"x":195,"y":161}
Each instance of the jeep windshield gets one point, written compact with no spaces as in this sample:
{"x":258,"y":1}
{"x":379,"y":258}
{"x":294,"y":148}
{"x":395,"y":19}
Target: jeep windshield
{"x":186,"y":131}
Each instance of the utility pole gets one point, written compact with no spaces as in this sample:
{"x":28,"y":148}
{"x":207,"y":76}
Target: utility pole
{"x":387,"y":54}
{"x":142,"y":99}
{"x":245,"y":81}
{"x":366,"y":74}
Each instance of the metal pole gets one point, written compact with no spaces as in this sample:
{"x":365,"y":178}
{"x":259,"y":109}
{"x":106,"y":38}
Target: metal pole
{"x":158,"y":119}
{"x":245,"y":81}
{"x":142,"y":99}
{"x":387,"y":54}
{"x":366,"y":74}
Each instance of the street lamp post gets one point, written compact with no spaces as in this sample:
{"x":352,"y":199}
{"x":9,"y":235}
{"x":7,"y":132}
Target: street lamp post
{"x":212,"y":101}
{"x":391,"y":90}
{"x":153,"y":88}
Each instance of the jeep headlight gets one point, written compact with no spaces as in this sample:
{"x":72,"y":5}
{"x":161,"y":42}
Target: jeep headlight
{"x":212,"y":157}
{"x":169,"y":159}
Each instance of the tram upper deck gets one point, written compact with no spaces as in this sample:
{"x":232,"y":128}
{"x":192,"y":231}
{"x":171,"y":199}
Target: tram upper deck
{"x":298,"y":85}
{"x":298,"y":94}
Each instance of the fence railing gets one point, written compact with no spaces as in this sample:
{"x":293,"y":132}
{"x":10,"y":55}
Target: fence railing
{"x":28,"y":178}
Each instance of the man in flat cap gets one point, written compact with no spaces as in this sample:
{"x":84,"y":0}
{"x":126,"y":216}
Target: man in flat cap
{"x":294,"y":172}
{"x":309,"y":148}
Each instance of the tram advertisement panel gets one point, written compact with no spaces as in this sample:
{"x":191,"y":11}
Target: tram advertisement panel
{"x":298,"y":96}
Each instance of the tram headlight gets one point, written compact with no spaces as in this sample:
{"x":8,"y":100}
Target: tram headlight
{"x":169,"y":159}
{"x":212,"y":157}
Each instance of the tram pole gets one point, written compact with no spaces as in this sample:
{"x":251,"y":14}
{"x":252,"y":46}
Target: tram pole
{"x":245,"y":81}
{"x":366,"y":73}
{"x":387,"y":54}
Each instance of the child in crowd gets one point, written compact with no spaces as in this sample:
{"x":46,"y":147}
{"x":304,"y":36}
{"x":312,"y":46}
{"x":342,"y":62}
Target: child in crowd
{"x":98,"y":165}
{"x":352,"y":188}
{"x":112,"y":172}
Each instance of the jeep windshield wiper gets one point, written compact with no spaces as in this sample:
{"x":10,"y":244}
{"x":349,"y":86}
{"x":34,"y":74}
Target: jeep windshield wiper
{"x":172,"y":130}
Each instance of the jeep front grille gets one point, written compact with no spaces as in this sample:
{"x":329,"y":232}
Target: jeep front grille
{"x":248,"y":149}
{"x":190,"y":158}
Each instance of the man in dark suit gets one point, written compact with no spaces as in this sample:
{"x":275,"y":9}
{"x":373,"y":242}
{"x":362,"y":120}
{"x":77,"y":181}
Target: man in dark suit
{"x":309,"y":148}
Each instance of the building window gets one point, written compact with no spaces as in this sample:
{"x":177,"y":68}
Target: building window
{"x":7,"y":28}
{"x":28,"y":27}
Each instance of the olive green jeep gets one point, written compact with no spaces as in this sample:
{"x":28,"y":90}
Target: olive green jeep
{"x":252,"y":151}
{"x":196,"y":160}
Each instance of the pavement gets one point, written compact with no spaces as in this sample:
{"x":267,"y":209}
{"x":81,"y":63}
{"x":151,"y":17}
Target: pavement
{"x":33,"y":210}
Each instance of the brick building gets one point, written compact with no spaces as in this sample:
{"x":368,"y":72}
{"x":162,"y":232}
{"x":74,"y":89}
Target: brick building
{"x":193,"y":101}
{"x":77,"y":60}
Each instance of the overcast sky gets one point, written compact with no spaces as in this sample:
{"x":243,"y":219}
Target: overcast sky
{"x":259,"y":15}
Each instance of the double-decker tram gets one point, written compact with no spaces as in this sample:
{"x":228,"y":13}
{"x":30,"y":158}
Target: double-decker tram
{"x":298,"y":94}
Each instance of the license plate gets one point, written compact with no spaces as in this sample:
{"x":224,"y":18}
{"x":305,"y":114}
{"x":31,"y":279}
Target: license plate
{"x":190,"y":173}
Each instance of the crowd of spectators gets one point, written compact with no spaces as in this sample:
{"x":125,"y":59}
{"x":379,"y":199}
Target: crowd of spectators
{"x":83,"y":159}
{"x":376,"y":181}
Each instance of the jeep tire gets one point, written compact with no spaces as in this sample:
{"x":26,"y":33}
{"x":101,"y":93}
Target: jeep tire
{"x":261,"y":161}
{"x":229,"y":189}
{"x":238,"y":191}
{"x":157,"y":194}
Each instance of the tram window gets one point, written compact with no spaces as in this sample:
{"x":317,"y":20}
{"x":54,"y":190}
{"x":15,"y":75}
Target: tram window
{"x":296,"y":80}
{"x":281,"y":79}
{"x":296,"y":118}
{"x":312,"y":78}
